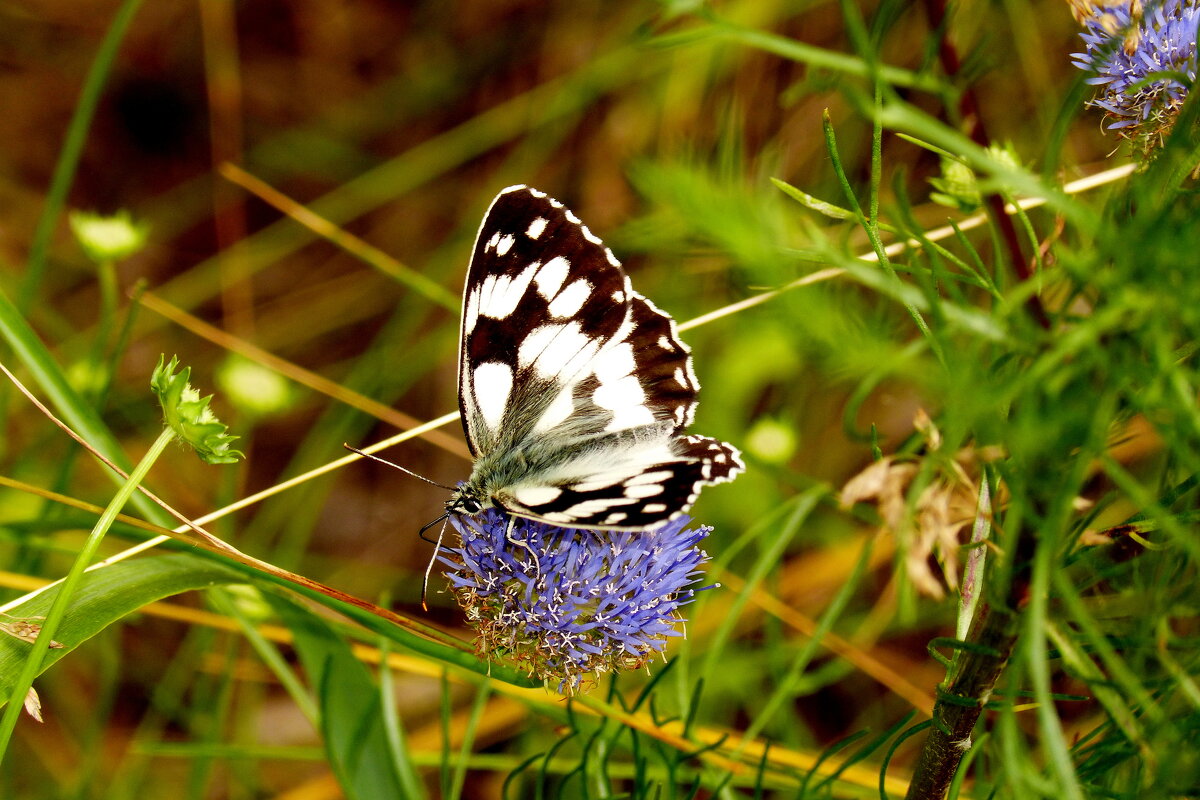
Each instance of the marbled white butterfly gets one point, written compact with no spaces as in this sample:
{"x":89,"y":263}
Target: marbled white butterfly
{"x":574,"y":389}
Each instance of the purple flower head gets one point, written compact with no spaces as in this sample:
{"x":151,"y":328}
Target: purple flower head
{"x":591,"y":601}
{"x":1128,"y":42}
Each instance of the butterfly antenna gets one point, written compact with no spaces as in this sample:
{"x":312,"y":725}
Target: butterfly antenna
{"x":436,"y":549}
{"x":365,"y":454}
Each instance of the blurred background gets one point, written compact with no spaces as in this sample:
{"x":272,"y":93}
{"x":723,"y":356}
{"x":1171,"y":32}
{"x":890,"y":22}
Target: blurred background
{"x":660,"y":125}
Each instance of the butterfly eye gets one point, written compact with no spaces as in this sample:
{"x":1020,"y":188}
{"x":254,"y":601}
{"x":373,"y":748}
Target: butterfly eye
{"x":470,"y":505}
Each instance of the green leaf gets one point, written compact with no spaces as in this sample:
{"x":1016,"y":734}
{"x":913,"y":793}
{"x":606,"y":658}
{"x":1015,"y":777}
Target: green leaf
{"x":103,"y":597}
{"x":352,"y":719}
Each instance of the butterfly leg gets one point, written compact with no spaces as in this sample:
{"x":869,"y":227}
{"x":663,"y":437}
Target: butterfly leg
{"x":436,"y":549}
{"x":508,"y":534}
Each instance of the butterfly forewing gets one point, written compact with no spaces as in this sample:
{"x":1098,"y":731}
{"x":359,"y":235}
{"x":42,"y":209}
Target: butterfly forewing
{"x":574,"y":389}
{"x":543,"y":296}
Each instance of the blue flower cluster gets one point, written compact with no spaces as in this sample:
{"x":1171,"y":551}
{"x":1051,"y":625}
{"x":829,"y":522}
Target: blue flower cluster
{"x":567,"y":603}
{"x":1127,"y":44}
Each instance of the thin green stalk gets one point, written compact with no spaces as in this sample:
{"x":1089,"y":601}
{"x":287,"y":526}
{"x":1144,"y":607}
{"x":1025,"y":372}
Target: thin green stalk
{"x":786,"y":686}
{"x":31,"y":352}
{"x":393,"y":730}
{"x":460,"y":768}
{"x":106,"y":277}
{"x":872,"y":231}
{"x":41,"y":645}
{"x":270,"y":656}
{"x":68,"y":157}
{"x":1037,"y":658}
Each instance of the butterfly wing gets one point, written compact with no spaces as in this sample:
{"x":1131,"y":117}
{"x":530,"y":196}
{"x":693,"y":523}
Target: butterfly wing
{"x":630,"y":485}
{"x":572,"y":386}
{"x":543,"y":297}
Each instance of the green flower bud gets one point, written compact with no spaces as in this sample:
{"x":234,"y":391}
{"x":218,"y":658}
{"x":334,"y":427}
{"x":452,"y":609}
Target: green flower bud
{"x":253,"y":388}
{"x":108,"y":238}
{"x":188,"y":414}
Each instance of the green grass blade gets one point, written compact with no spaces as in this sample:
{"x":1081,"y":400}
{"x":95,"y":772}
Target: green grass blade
{"x":352,"y":722}
{"x":106,"y":596}
{"x":68,"y":157}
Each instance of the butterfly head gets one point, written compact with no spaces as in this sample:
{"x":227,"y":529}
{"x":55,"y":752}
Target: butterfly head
{"x":465,"y":501}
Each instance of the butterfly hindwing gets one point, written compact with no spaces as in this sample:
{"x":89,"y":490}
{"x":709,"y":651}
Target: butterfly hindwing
{"x":574,"y":389}
{"x":637,"y":492}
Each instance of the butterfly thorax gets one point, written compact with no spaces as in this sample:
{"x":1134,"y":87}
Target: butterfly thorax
{"x":491,"y":471}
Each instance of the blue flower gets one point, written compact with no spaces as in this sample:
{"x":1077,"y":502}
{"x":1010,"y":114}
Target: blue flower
{"x":590,"y":602}
{"x":1127,"y":44}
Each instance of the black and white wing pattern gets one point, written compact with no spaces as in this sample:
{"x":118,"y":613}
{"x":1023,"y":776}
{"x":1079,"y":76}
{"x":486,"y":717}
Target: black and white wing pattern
{"x":574,"y":389}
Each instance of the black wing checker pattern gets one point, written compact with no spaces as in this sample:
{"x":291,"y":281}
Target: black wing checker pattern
{"x":574,"y":390}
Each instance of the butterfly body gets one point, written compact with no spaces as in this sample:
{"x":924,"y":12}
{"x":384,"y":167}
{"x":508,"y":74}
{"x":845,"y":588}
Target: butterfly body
{"x":575,"y":391}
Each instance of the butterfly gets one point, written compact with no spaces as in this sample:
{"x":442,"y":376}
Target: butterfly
{"x":574,"y":390}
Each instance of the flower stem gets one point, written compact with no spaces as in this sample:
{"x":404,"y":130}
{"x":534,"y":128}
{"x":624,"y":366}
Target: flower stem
{"x":37,"y":653}
{"x":961,"y":698}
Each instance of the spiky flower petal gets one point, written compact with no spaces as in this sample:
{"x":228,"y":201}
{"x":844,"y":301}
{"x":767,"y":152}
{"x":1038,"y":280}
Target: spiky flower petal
{"x":1144,"y":57}
{"x":590,"y":602}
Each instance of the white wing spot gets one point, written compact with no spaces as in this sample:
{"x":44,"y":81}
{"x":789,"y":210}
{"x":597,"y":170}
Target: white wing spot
{"x":536,"y":227}
{"x":570,"y":215}
{"x":536,"y":495}
{"x":614,"y":363}
{"x":500,"y":294}
{"x":555,"y":350}
{"x":551,"y":276}
{"x":611,"y":258}
{"x":471,"y":312}
{"x":492,"y":384}
{"x":594,"y":506}
{"x":618,"y":297}
{"x":720,"y":458}
{"x":654,"y":508}
{"x":620,"y":391}
{"x":587,"y":234}
{"x":680,"y":378}
{"x":570,"y":299}
{"x":558,"y":410}
{"x":505,"y":244}
{"x":596,"y":485}
{"x":535,"y":192}
{"x":613,"y":519}
{"x":657,"y":476}
{"x":625,"y":398}
{"x":665,"y":343}
{"x":555,"y":203}
{"x":491,"y":245}
{"x":644,"y":490}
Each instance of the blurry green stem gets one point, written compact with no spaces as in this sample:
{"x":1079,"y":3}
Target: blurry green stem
{"x":37,"y":652}
{"x":68,"y":157}
{"x":106,"y":275}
